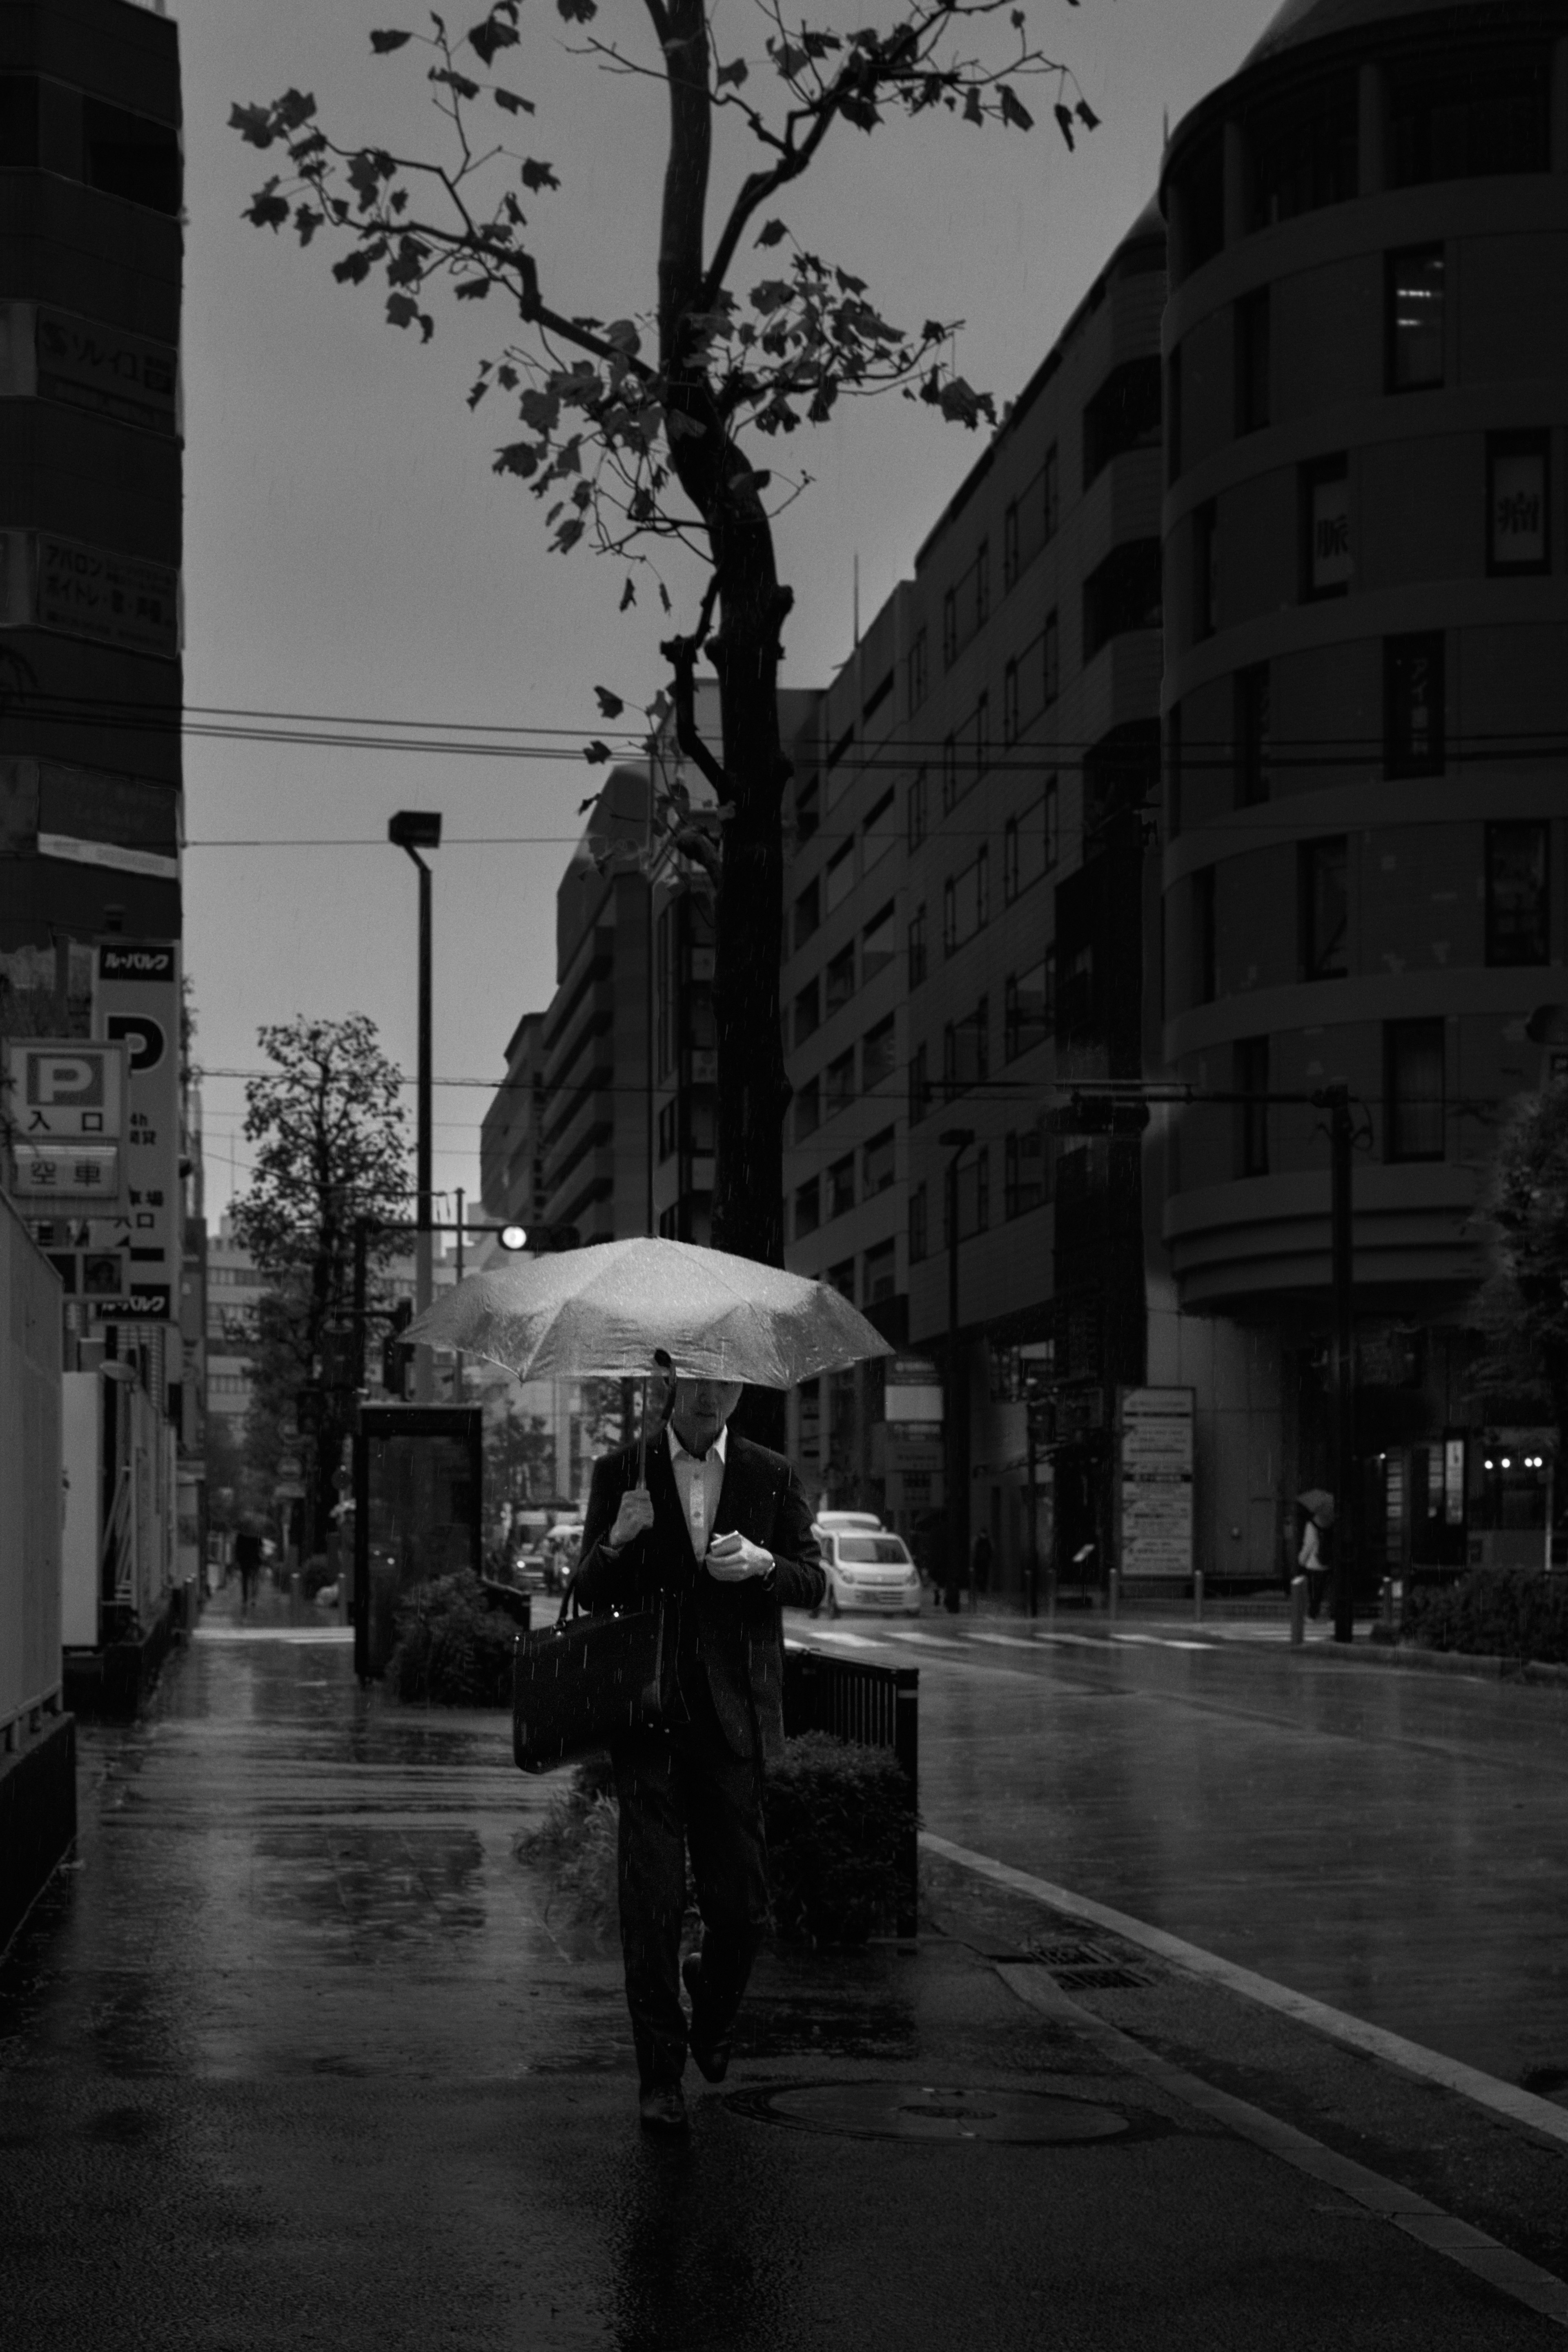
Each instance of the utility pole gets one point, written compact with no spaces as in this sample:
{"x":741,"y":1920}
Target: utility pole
{"x":1341,"y":1137}
{"x":956,"y":1139}
{"x":413,"y":830}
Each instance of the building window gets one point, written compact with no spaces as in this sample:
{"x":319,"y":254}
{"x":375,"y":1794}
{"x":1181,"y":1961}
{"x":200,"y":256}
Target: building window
{"x":971,"y":1183}
{"x":1251,"y":345}
{"x":1173,"y":416}
{"x":1009,"y":545}
{"x":841,"y":979}
{"x":807,"y":1013}
{"x":950,"y":628}
{"x":1415,"y":309}
{"x":949,"y":774}
{"x":878,"y":946}
{"x":1466,"y":110}
{"x":808,"y":914}
{"x":881,"y":1272}
{"x":879,"y":833}
{"x":806,"y":811}
{"x":668,"y":1116}
{"x":1518,"y":918}
{"x":919,"y":1087}
{"x":917,"y":947}
{"x":1413,"y":1103}
{"x":1173,"y":772}
{"x":876,"y":1164}
{"x":1413,"y":697}
{"x":916,"y":1223}
{"x":1024,"y":849}
{"x":1205,"y":583}
{"x":1052,"y":825}
{"x":810,"y":1394}
{"x":842,"y":1388}
{"x":841,"y":1075}
{"x":1519,"y":502}
{"x":917,"y":809}
{"x":841,"y":1185}
{"x":838,"y":878}
{"x":967,"y":903}
{"x":1049,"y":497}
{"x":877,"y":697}
{"x":965,"y":1050}
{"x":1023,"y":1172}
{"x":1026,"y":1010}
{"x":1324,"y":500}
{"x":919,"y":680}
{"x":664,"y":966}
{"x":876,"y":1056}
{"x":1124,"y":414}
{"x":807,"y":1109}
{"x":1051,"y":660}
{"x":1325,"y":885}
{"x":1252,"y":1110}
{"x":1252,"y":726}
{"x":1301,"y":151}
{"x":808,"y":1207}
{"x":1010,"y":703}
{"x":982,"y":583}
{"x":1199,"y":190}
{"x":1205,"y":937}
{"x":1122,"y":594}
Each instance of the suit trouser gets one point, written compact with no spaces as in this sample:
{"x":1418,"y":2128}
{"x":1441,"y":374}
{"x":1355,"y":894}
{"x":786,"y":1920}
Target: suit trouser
{"x":679,"y":1788}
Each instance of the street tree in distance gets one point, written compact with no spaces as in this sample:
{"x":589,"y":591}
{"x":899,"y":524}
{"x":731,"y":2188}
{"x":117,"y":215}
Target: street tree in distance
{"x":328,"y":1123}
{"x":641,"y":430}
{"x":1525,"y":1305}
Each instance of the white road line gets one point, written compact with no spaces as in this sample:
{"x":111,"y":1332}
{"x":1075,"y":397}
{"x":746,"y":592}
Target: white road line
{"x":925,"y":1640}
{"x":1428,"y":2224}
{"x":835,"y":1634}
{"x":1375,"y":2041}
{"x":1014,"y":1641}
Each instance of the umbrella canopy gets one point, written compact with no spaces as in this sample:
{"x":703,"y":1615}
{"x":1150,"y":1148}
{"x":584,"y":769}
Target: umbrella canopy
{"x":1319,"y":1503}
{"x":604,"y":1310}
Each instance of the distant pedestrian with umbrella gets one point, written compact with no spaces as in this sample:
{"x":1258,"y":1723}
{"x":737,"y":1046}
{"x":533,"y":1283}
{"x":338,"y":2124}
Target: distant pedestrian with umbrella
{"x":1315,"y":1558}
{"x":247,"y":1559}
{"x":713,"y":1531}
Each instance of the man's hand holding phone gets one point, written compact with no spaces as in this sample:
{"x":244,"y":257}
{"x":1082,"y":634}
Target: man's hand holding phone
{"x":733,"y":1559}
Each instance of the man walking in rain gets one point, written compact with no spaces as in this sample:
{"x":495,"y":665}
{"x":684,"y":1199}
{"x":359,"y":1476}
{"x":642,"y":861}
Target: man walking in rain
{"x":722,"y":1531}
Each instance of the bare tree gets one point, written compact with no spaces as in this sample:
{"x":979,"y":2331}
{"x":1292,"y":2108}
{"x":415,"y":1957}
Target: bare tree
{"x":638,"y":430}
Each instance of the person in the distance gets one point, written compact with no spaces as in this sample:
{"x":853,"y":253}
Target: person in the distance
{"x":722,"y":1530}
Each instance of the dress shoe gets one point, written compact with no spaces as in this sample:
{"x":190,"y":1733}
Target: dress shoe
{"x":662,"y":2108}
{"x":711,"y":2057}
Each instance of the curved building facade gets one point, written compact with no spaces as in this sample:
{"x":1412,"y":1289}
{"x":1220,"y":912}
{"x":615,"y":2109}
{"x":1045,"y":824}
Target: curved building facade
{"x":1366,"y":713}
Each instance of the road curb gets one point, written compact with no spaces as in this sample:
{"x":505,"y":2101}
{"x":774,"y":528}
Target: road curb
{"x":1479,"y":1667}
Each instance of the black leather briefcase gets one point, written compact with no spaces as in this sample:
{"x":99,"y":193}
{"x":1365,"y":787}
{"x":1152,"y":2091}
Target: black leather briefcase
{"x":584,"y":1680}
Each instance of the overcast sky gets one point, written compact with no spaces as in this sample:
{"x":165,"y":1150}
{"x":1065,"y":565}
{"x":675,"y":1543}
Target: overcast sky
{"x":348,"y":550}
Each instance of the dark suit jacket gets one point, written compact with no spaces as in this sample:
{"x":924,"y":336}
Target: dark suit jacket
{"x":738,"y":1631}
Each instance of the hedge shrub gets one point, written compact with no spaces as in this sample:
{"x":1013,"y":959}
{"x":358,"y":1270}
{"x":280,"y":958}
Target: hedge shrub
{"x":837,"y":1815}
{"x":1493,"y":1612}
{"x":453,"y":1648}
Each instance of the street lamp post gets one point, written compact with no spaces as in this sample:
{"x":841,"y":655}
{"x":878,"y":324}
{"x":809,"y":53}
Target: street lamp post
{"x":956,"y":1139}
{"x":413,"y":830}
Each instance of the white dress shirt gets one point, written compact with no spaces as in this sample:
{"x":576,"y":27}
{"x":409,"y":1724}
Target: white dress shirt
{"x":699,"y":1481}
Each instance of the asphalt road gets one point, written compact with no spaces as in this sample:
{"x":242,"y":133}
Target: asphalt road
{"x":1392,"y":1844}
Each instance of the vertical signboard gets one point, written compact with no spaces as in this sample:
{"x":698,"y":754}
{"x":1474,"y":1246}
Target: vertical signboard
{"x":137,"y":1001}
{"x":1154,"y":1484}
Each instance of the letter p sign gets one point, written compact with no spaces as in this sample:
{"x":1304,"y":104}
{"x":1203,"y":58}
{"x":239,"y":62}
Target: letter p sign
{"x":61,"y":1081}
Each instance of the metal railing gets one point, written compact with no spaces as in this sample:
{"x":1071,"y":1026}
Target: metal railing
{"x":876,"y":1707}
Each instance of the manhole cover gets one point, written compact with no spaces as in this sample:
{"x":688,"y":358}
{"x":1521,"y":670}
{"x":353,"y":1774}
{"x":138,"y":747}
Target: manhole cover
{"x":933,"y":2111}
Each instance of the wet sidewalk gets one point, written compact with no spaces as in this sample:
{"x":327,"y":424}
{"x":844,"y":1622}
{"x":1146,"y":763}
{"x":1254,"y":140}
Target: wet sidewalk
{"x":299,"y":2053}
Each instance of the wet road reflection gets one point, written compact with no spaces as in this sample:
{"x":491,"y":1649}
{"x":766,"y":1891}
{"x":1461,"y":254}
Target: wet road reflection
{"x":1393,"y":1842}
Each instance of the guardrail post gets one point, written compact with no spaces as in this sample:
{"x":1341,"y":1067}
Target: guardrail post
{"x":1197,"y":1596}
{"x":1298,"y":1610}
{"x":1111,"y":1581}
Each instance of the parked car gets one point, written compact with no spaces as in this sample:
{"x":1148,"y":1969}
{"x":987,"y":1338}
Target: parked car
{"x":868,"y":1567}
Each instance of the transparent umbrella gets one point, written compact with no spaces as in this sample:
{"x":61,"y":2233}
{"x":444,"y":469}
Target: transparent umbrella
{"x":605,"y":1310}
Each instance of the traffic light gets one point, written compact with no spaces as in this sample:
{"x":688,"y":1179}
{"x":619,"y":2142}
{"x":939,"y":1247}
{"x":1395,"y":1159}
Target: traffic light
{"x":538,"y":1240}
{"x":397,"y":1354}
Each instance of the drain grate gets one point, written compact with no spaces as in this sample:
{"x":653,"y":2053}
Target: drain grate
{"x":1100,"y":1979}
{"x":928,"y":2111}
